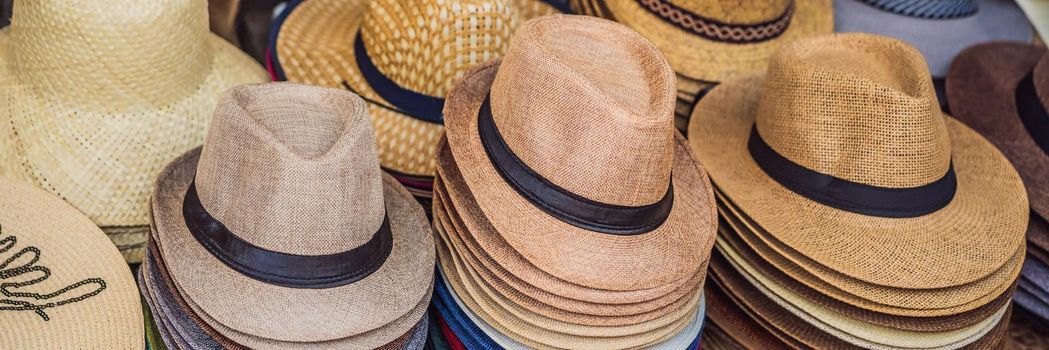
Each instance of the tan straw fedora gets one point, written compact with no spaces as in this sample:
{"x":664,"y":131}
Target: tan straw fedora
{"x":840,"y":153}
{"x":712,"y":41}
{"x":99,"y":95}
{"x":282,"y":231}
{"x":402,"y":56}
{"x":62,"y":283}
{"x":618,"y":203}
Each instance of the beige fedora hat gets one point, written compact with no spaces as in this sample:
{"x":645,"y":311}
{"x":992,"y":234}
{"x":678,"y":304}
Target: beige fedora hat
{"x":402,"y":56}
{"x":579,"y":169}
{"x":840,"y":153}
{"x":99,"y":95}
{"x":64,"y":285}
{"x":282,"y":231}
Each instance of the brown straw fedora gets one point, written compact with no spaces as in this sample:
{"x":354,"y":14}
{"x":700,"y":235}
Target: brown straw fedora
{"x":617,"y":204}
{"x":840,"y":153}
{"x":281,"y":231}
{"x":1001,"y":90}
{"x":99,"y":95}
{"x":712,"y":41}
{"x":62,"y":283}
{"x":402,"y":56}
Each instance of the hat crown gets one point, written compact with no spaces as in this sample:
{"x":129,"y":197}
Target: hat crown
{"x":111,"y":54}
{"x":735,"y":11}
{"x":588,"y":105}
{"x":287,"y":163}
{"x":857,"y":107}
{"x":425,"y":46}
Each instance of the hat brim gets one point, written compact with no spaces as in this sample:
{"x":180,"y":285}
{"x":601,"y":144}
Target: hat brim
{"x":976,"y":234}
{"x":516,"y":279}
{"x":981,"y":88}
{"x":380,"y":307}
{"x":939,"y":40}
{"x":699,"y":58}
{"x":666,"y":255}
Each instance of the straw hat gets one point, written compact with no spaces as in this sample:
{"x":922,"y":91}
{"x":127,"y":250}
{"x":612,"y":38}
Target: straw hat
{"x":938,"y":29}
{"x":840,"y":154}
{"x":64,"y":284}
{"x":368,"y":246}
{"x":99,"y":95}
{"x":568,"y":170}
{"x":403,"y":65}
{"x":715,"y":40}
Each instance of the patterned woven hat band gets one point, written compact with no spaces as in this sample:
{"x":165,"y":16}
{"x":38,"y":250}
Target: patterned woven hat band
{"x":735,"y":12}
{"x":425,"y":46}
{"x":856,"y":107}
{"x":97,"y":53}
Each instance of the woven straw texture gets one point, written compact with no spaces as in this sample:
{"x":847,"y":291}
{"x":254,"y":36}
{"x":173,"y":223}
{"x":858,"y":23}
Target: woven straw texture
{"x":981,"y":86}
{"x":49,"y":234}
{"x":699,"y":58}
{"x":100,"y":95}
{"x":943,"y":249}
{"x":552,"y":65}
{"x":316,"y":47}
{"x":296,"y":136}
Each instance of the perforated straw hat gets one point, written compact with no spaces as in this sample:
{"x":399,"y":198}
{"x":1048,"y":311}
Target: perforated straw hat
{"x":615,"y":203}
{"x":938,"y":29}
{"x":840,"y":152}
{"x":64,"y":285}
{"x":99,"y":95}
{"x":402,"y":56}
{"x":710,"y":40}
{"x":283,"y":232}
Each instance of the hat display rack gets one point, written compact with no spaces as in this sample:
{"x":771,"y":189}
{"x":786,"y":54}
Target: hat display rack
{"x":524,"y":174}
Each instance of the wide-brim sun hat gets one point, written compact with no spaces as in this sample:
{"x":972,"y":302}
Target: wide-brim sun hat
{"x":92,"y":114}
{"x":64,"y":284}
{"x":712,"y":41}
{"x":939,"y":31}
{"x":644,"y":170}
{"x":858,"y":112}
{"x":375,"y":303}
{"x":402,"y":65}
{"x":1001,"y":90}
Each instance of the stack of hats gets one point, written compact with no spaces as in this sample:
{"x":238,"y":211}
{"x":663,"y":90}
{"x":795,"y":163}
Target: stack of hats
{"x":938,"y":29}
{"x":99,"y":95}
{"x":569,"y":212}
{"x":854,"y":212}
{"x":710,"y":41}
{"x":63,"y":285}
{"x":282,"y":232}
{"x":1001,"y":90}
{"x":402,"y":56}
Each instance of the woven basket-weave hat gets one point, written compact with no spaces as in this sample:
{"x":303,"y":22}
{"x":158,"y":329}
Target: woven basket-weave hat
{"x":579,"y":116}
{"x":938,"y":29}
{"x":412,"y":53}
{"x":99,"y":95}
{"x":1002,"y":91}
{"x":334,"y":250}
{"x":65,"y":285}
{"x":859,"y":169}
{"x":711,"y":40}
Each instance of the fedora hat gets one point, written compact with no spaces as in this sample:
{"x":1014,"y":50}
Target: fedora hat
{"x":100,"y":95}
{"x":285,"y":202}
{"x":840,"y":153}
{"x":715,"y":40}
{"x":601,"y":198}
{"x":938,"y":29}
{"x":62,"y":283}
{"x":400,"y":63}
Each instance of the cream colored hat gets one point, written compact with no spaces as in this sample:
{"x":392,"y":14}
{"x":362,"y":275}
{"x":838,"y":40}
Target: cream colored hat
{"x":63,"y":284}
{"x":99,"y":95}
{"x":282,"y":231}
